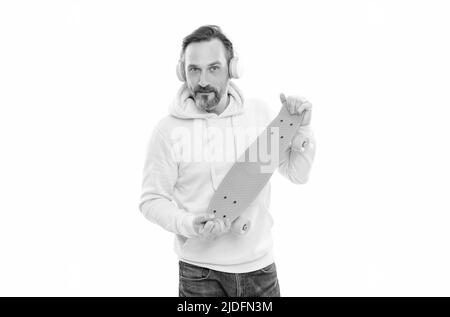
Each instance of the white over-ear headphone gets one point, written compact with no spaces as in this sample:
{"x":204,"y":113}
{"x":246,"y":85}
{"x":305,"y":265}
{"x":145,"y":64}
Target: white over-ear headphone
{"x":234,"y":69}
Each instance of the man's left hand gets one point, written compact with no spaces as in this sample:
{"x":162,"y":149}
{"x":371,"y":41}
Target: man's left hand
{"x":298,"y":105}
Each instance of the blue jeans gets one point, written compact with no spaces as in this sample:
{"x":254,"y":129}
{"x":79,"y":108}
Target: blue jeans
{"x":196,"y":281}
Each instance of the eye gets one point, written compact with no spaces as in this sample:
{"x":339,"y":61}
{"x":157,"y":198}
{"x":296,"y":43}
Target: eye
{"x":193,"y":69}
{"x":214,"y":68}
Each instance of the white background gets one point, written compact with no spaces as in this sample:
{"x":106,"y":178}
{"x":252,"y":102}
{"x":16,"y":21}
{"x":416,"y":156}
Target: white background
{"x":82,"y":84}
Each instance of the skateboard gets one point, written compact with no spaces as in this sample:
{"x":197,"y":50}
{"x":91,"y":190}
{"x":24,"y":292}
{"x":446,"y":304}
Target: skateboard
{"x":250,"y":173}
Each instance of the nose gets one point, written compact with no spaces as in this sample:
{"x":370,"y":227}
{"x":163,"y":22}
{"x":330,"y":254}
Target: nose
{"x":202,"y":81}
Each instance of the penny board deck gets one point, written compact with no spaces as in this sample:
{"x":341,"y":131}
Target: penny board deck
{"x":246,"y":178}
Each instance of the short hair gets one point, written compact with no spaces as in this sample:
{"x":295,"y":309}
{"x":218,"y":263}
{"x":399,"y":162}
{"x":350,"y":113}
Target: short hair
{"x":206,"y":33}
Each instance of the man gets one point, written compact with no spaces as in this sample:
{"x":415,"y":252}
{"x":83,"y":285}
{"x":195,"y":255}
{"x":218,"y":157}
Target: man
{"x":214,"y":259}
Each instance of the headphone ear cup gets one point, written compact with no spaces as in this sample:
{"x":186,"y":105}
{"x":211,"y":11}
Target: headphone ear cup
{"x":180,"y":71}
{"x":235,"y":68}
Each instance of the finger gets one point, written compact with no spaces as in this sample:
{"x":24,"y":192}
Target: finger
{"x":227,"y":225}
{"x":220,"y":225}
{"x":217,"y":229}
{"x":307,"y":104}
{"x":203,"y":218}
{"x":306,"y":117}
{"x":288,"y":104}
{"x":291,"y":104}
{"x":208,"y":227}
{"x":212,"y":225}
{"x":302,"y":99}
{"x":283,"y":98}
{"x":299,"y":108}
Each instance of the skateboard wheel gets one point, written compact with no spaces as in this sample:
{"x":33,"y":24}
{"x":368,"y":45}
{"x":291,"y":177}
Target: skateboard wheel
{"x":240,"y":226}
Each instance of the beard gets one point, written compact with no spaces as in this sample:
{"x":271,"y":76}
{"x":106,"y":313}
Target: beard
{"x":207,"y":102}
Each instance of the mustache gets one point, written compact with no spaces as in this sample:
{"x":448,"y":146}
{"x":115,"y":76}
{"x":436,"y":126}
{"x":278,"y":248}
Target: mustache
{"x":207,"y":89}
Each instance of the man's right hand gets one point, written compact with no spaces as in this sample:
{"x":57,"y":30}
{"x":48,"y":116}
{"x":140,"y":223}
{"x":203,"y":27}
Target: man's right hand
{"x":209,"y":227}
{"x":199,"y":221}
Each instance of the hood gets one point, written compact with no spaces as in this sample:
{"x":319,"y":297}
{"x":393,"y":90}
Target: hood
{"x":183,"y":106}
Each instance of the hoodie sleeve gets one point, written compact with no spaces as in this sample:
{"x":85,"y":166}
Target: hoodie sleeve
{"x":160,"y":174}
{"x":297,"y":162}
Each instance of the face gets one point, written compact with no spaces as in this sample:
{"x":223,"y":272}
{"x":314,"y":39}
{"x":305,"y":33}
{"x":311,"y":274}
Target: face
{"x":207,"y":73}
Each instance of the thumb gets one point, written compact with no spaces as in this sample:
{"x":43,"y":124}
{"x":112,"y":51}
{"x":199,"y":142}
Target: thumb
{"x":283,"y":98}
{"x":198,"y":220}
{"x":227,"y":225}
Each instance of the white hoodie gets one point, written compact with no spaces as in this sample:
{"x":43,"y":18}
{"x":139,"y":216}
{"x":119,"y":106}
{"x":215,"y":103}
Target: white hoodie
{"x":175,"y":188}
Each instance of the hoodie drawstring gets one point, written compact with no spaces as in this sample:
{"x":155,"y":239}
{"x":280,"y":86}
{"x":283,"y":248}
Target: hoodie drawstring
{"x":234,"y":137}
{"x":212,"y":171}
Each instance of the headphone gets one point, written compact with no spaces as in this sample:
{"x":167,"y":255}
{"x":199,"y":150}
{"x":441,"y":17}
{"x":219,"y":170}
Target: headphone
{"x":234,"y":69}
